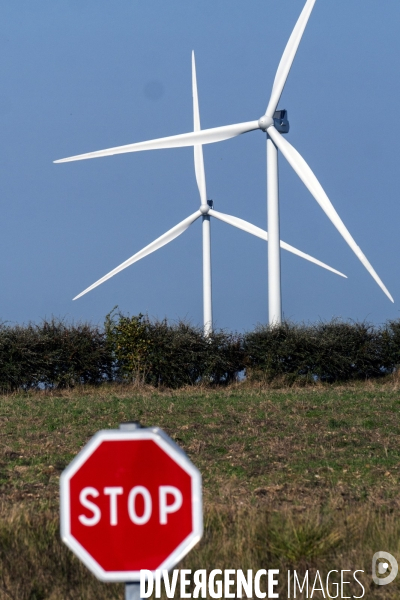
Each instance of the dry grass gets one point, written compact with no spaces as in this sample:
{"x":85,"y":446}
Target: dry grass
{"x":293,"y":478}
{"x":36,"y":566}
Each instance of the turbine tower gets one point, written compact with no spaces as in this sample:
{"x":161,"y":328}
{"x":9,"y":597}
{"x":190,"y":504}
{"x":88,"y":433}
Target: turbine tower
{"x":204,"y":208}
{"x":274,"y":123}
{"x":205,"y":211}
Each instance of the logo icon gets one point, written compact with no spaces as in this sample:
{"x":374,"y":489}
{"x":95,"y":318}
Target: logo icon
{"x":384,"y":568}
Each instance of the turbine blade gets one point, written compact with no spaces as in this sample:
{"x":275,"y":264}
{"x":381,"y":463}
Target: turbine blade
{"x":158,"y":243}
{"x":288,"y":57}
{"x":293,"y":250}
{"x":258,"y":232}
{"x":196,"y":111}
{"x":239,"y":223}
{"x":198,"y":149}
{"x":206,"y":136}
{"x":302,"y":169}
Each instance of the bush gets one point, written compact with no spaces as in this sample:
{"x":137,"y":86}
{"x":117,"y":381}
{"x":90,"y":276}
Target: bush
{"x":335,"y":351}
{"x":279,"y":351}
{"x":174,"y":355}
{"x":136,"y":349}
{"x":391,"y":343}
{"x":346,"y":351}
{"x":52,"y":354}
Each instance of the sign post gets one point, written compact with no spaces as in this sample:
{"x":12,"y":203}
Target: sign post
{"x":130,"y":500}
{"x":132,"y":591}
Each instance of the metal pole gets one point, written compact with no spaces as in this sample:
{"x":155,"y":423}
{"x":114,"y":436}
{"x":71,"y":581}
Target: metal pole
{"x":132,"y":590}
{"x":207,"y":288}
{"x":274,"y":256}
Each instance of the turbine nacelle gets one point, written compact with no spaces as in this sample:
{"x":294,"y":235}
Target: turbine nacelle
{"x":279,"y":121}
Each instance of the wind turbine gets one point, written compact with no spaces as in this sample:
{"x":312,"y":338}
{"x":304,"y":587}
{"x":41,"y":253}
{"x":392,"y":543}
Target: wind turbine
{"x":205,"y":211}
{"x":274,"y":123}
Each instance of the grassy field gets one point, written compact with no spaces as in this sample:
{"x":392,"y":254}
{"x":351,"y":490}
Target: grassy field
{"x":293,"y":478}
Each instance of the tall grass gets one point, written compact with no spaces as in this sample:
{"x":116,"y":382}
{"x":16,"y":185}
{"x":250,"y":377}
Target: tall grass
{"x":35,"y":565}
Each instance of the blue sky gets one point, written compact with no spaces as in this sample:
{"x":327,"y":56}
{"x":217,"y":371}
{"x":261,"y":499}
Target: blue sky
{"x":82,"y":75}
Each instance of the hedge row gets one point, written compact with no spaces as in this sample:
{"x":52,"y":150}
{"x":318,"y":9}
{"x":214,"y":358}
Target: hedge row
{"x":158,"y":353}
{"x":335,"y":351}
{"x":52,"y":354}
{"x":136,"y":349}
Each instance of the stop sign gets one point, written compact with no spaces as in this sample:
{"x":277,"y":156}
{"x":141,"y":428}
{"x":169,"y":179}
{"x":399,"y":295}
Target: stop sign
{"x":130,"y":500}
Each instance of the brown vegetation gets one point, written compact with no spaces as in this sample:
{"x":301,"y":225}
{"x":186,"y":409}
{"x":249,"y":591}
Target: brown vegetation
{"x":293,"y":478}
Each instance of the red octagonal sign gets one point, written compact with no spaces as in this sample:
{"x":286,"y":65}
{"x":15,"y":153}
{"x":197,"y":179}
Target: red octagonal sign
{"x":130,"y":500}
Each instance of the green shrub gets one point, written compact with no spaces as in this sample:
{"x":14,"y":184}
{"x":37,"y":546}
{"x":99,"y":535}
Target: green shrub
{"x":279,"y":351}
{"x":391,"y":344}
{"x":52,"y":354}
{"x":137,"y":349}
{"x":176,"y":355}
{"x":334,"y":351}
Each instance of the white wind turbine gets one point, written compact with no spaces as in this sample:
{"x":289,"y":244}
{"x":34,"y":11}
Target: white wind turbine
{"x":273,"y":123}
{"x":205,"y":211}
